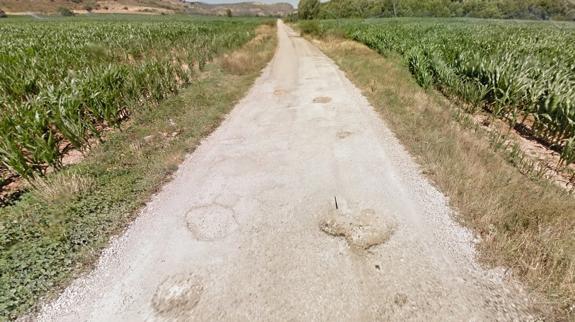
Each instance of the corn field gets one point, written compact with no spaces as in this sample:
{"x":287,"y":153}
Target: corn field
{"x":523,"y":72}
{"x":62,"y":82}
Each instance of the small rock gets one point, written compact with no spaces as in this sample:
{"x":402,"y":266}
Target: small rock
{"x":400,"y":299}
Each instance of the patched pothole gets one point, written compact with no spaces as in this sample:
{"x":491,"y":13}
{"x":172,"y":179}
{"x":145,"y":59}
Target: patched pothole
{"x":343,"y":134}
{"x":362,"y":230}
{"x":279,"y":92}
{"x":212,"y":222}
{"x":322,"y":99}
{"x":178,"y":295}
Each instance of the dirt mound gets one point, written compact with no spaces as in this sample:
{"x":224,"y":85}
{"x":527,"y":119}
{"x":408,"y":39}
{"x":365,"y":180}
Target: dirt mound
{"x":361,"y":231}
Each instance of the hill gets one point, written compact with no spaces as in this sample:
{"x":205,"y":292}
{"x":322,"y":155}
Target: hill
{"x":102,"y":6}
{"x":146,"y":6}
{"x":240,"y":9}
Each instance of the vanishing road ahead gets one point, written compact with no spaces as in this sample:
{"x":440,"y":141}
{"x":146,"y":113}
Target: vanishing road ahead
{"x":302,"y":206}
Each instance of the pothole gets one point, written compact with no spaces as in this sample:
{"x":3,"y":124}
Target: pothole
{"x":361,"y":231}
{"x":213,"y":222}
{"x":322,"y":99}
{"x":178,"y":295}
{"x":343,"y":134}
{"x":279,"y":92}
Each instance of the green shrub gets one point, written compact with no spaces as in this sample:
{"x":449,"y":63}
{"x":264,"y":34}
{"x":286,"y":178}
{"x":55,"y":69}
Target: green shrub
{"x":65,"y":12}
{"x":310,"y":27}
{"x":308,"y":9}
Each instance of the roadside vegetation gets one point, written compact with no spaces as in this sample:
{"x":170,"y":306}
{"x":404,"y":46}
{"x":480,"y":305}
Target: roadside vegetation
{"x":149,"y":90}
{"x":523,"y":73}
{"x":496,"y":9}
{"x":524,"y":223}
{"x":63,"y":82}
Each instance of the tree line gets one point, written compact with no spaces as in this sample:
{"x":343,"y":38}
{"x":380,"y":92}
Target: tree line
{"x":498,"y":9}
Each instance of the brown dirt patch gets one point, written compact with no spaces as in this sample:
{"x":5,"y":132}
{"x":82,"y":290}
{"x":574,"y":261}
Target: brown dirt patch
{"x":322,"y":99}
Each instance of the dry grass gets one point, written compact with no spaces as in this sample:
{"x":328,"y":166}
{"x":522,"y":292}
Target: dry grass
{"x":61,"y":186}
{"x":241,"y":62}
{"x":524,"y":224}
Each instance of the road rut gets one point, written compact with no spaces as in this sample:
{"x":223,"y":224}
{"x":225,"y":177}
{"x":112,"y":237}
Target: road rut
{"x":301,"y":206}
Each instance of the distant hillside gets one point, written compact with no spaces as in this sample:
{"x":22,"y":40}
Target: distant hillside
{"x":111,"y":6}
{"x":146,"y":7}
{"x":240,"y":9}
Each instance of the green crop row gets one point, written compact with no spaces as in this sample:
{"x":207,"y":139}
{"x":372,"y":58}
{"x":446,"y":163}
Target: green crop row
{"x":524,"y":72}
{"x":62,"y":82}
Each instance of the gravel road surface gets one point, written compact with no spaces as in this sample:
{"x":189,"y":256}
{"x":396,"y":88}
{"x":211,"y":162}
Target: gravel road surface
{"x":302,"y":206}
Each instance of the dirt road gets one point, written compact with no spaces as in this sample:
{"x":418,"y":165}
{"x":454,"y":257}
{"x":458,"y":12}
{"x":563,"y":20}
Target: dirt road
{"x":302,"y":206}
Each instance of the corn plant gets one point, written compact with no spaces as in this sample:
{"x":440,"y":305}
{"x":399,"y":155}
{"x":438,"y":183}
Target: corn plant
{"x":63,"y":81}
{"x":518,"y":71}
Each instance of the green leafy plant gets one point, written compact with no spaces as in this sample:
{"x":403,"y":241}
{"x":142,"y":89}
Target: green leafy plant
{"x":64,"y":82}
{"x":522,"y":72}
{"x":308,"y":9}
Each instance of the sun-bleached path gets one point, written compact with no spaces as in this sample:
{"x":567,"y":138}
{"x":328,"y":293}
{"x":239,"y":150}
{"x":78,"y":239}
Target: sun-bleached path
{"x":302,"y":206}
